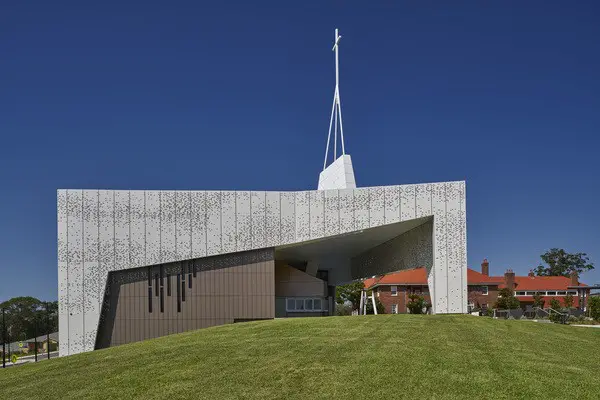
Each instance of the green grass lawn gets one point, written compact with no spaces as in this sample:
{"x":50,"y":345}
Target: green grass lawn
{"x":369,"y":357}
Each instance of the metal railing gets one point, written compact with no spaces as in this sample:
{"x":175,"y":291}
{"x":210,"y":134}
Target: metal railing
{"x":562,"y":317}
{"x":534,"y":313}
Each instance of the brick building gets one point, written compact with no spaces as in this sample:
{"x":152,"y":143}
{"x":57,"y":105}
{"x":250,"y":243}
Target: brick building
{"x":393,"y":289}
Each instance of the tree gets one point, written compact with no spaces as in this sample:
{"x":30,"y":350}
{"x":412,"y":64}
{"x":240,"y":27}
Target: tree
{"x":507,"y":300}
{"x":594,"y":306}
{"x":555,"y":304}
{"x":561,"y":263}
{"x":350,"y":293}
{"x":26,"y":317}
{"x":538,"y":300}
{"x":568,"y":299}
{"x":473,"y":298}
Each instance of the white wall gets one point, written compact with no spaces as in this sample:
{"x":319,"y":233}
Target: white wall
{"x":101,"y":231}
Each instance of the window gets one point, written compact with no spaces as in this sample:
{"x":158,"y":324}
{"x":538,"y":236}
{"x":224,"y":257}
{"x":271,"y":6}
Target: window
{"x":533,"y":293}
{"x":484,"y":290}
{"x":394,"y":308}
{"x":291,"y":304}
{"x":317,"y":304}
{"x":519,"y":293}
{"x":305,"y":304}
{"x":551,"y":294}
{"x":573,"y":292}
{"x":308,"y":304}
{"x":394,"y":290}
{"x":561,"y":293}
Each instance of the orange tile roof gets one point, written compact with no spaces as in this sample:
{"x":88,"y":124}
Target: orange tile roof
{"x":418,"y":276}
{"x":542,"y":283}
{"x":415,"y":276}
{"x":474,"y":278}
{"x":370,"y":282}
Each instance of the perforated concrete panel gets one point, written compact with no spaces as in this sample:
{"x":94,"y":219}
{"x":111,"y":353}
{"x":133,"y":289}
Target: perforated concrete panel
{"x":102,"y":230}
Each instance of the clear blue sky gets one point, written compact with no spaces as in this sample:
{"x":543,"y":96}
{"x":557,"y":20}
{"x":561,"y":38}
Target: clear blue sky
{"x":226,"y":95}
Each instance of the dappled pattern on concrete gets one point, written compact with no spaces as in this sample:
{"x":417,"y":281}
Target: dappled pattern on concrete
{"x":410,"y":249}
{"x":104,"y":230}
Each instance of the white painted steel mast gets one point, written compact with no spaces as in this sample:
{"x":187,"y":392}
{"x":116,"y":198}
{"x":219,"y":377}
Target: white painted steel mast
{"x":339,"y":174}
{"x":336,"y":109}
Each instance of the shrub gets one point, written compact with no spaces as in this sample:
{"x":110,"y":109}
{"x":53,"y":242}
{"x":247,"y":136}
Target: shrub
{"x":380,"y":307}
{"x":343,"y":309}
{"x":594,"y":306}
{"x":416,"y":304}
{"x":556,"y":318}
{"x":555,"y":304}
{"x":507,"y":300}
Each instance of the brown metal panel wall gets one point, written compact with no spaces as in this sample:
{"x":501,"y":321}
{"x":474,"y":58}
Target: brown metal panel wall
{"x":227,"y":287}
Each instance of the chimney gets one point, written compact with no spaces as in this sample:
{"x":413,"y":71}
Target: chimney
{"x":485,"y":267}
{"x":509,"y":279}
{"x":574,"y":279}
{"x":531,"y":274}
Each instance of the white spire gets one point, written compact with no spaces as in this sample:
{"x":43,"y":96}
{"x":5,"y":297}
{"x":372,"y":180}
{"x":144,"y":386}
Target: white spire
{"x":339,"y":174}
{"x":336,"y":109}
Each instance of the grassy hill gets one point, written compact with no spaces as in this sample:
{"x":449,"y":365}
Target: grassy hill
{"x":372,"y":357}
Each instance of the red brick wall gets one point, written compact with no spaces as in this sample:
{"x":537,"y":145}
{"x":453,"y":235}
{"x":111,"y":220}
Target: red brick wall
{"x":384,"y":294}
{"x":475,"y":296}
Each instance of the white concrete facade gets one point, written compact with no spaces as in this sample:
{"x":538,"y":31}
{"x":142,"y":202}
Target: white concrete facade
{"x":105,"y":230}
{"x":338,"y":175}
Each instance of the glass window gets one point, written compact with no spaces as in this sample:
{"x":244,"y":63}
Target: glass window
{"x":520,"y":293}
{"x":533,"y":293}
{"x":299,"y":305}
{"x":394,"y":290}
{"x":291,"y":304}
{"x":551,"y":294}
{"x":317,"y":304}
{"x":484,"y":290}
{"x":561,"y":293}
{"x":308,"y":304}
{"x":573,"y":292}
{"x":394,"y":308}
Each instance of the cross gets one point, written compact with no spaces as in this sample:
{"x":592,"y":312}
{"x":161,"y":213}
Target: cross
{"x":337,"y":40}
